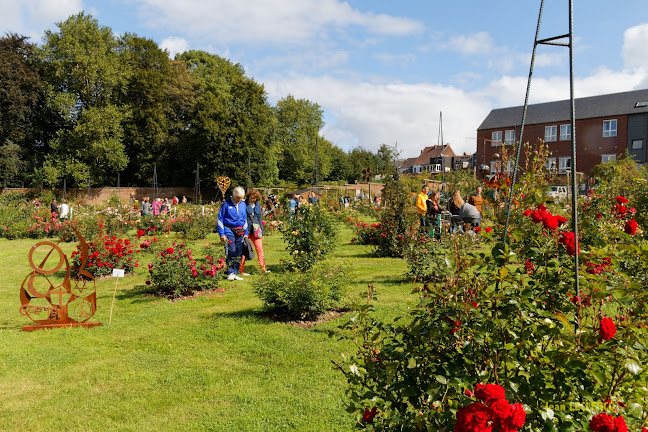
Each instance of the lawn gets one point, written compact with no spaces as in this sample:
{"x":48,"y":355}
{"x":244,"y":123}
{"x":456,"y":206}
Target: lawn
{"x":213,"y":363}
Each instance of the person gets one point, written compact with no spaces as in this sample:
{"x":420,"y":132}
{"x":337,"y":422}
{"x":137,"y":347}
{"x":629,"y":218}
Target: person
{"x":157,"y":205}
{"x":184,"y":199}
{"x":477,"y":200}
{"x":269,"y":205}
{"x":293,"y":204}
{"x":54,"y":208}
{"x":132,"y":201}
{"x":421,"y":206}
{"x":454,"y":207}
{"x":255,"y":227}
{"x":470,"y":214}
{"x":312,"y":199}
{"x":232,"y":228}
{"x":146,"y":207}
{"x":434,"y":212}
{"x":64,"y":210}
{"x":377,"y":200}
{"x":164,"y":209}
{"x":175,"y":200}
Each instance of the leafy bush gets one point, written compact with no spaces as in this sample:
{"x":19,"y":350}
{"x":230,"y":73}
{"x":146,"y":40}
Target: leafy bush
{"x":175,"y":272}
{"x":303,"y":295}
{"x":105,"y":254}
{"x":310,"y":236}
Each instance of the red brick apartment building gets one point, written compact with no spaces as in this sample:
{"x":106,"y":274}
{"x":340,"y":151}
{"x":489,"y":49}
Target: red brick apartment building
{"x":606,"y":126}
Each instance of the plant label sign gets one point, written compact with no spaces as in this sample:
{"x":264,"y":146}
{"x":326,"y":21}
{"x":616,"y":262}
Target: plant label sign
{"x":118,"y":273}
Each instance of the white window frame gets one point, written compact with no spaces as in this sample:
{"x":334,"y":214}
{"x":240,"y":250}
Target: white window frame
{"x":608,"y":158}
{"x":552,"y":164}
{"x":496,"y":139}
{"x":637,"y":144}
{"x":565,"y":132}
{"x":564,"y":163}
{"x":551,"y":133}
{"x":509,"y":166}
{"x":609,"y":128}
{"x":495,"y":166}
{"x":509,"y":137}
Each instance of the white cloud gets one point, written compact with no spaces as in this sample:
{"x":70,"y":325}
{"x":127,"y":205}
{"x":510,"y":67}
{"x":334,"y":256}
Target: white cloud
{"x":370,"y":114}
{"x":391,"y":59}
{"x":634,"y":46}
{"x":287,"y":21}
{"x":33,"y":17}
{"x":174,"y":45}
{"x":477,"y":43}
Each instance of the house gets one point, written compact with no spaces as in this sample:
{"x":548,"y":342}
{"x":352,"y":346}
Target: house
{"x":433,"y":159}
{"x":606,"y":126}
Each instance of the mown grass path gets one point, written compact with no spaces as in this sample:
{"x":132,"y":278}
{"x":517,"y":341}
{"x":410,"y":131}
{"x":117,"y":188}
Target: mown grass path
{"x":208,"y":364}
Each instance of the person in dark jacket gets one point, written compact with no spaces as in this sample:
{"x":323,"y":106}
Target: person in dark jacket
{"x":54,"y":208}
{"x":232,"y":228}
{"x":255,"y":227}
{"x":434,"y":212}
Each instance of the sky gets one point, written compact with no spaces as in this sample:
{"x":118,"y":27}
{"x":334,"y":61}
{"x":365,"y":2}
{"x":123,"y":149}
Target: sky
{"x":386,"y":72}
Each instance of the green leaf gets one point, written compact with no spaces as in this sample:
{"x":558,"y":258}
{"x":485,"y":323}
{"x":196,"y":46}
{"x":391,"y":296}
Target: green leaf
{"x":503,"y":272}
{"x":411,"y":364}
{"x":441,"y":379}
{"x":599,"y":376}
{"x":633,"y":366}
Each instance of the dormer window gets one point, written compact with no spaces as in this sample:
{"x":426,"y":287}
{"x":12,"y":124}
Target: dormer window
{"x":641,"y":104}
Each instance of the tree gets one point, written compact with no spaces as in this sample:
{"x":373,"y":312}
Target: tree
{"x":299,"y":121}
{"x":85,"y":73}
{"x":361,"y":159}
{"x":11,"y":162}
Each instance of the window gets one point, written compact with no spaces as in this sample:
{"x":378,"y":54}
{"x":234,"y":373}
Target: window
{"x":637,"y":145}
{"x":609,"y":128}
{"x":551,"y":164}
{"x":509,"y":138}
{"x":550,"y":133}
{"x":641,"y":104}
{"x":565,"y":132}
{"x":608,"y":158}
{"x":436,"y":168}
{"x":509,"y":166}
{"x":496,"y":138}
{"x":495,"y":166}
{"x":564,"y":163}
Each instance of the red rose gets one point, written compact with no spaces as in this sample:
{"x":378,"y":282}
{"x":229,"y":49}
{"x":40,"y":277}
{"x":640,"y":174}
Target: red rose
{"x":599,"y":215}
{"x":474,"y":417}
{"x":608,"y":329}
{"x":620,"y":425}
{"x":489,"y":229}
{"x":550,"y":222}
{"x":538,"y":215}
{"x":169,"y":251}
{"x":569,"y":240}
{"x":622,"y":200}
{"x":621,"y":210}
{"x":602,"y":423}
{"x":518,"y":415}
{"x":631,"y":227}
{"x":561,"y":219}
{"x":500,"y":409}
{"x":486,"y":392}
{"x":368,"y":416}
{"x":477,"y":229}
{"x":526,"y":213}
{"x":542,"y":207}
{"x":469,"y":393}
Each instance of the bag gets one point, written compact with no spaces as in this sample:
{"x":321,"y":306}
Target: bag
{"x":248,"y":250}
{"x":256,"y":230}
{"x":238,"y":231}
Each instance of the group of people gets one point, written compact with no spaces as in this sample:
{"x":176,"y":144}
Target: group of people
{"x":240,"y":219}
{"x":159,"y":206}
{"x":297,"y":201}
{"x":461,"y":212}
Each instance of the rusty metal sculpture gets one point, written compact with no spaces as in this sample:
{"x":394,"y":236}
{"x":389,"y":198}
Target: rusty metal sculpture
{"x":70,"y":304}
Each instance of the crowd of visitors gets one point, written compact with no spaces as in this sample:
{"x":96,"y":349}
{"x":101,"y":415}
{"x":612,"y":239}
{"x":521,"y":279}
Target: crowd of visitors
{"x":461,"y":213}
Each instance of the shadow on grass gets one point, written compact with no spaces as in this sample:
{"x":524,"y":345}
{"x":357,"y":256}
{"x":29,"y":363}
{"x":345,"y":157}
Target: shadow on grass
{"x":251,"y":314}
{"x":137,"y":294}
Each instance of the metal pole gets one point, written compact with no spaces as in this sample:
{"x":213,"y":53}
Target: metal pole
{"x":573,"y":148}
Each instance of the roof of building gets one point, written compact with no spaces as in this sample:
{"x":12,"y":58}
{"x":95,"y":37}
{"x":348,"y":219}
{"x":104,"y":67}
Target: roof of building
{"x":587,"y":107}
{"x":428,"y":153}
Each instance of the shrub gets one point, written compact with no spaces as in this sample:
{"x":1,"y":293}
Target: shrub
{"x":310,"y":236}
{"x":303,"y":295}
{"x":105,"y":254}
{"x":175,"y":272}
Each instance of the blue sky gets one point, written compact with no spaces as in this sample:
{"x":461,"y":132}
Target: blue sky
{"x":384,"y":70}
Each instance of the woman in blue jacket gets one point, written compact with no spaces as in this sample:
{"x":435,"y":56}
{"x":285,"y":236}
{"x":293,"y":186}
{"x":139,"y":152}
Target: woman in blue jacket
{"x":232,"y":228}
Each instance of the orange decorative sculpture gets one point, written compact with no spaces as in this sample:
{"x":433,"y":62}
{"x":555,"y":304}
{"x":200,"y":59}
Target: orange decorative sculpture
{"x":70,"y":304}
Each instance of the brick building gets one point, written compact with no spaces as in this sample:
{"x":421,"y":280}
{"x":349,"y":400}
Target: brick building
{"x":433,"y":159}
{"x":606,"y":126}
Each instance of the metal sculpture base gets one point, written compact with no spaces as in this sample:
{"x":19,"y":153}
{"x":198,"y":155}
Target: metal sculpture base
{"x":31,"y":328}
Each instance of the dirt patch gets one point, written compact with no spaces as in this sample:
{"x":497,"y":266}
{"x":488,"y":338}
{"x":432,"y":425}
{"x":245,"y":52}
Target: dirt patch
{"x":327,"y":316}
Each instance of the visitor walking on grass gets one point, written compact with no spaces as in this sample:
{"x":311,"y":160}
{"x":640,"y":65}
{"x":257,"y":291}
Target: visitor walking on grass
{"x":255,"y":227}
{"x":232,"y":228}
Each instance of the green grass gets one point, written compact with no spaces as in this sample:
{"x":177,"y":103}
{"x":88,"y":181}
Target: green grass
{"x":213,"y":363}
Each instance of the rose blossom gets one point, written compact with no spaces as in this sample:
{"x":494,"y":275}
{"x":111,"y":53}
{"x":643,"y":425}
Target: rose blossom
{"x":486,"y":392}
{"x":622,"y":200}
{"x":602,"y":423}
{"x":631,"y":227}
{"x":608,"y":329}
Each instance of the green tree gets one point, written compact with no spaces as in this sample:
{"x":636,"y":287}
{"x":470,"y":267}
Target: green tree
{"x":85,"y":73}
{"x":11,"y":162}
{"x":361,"y":159}
{"x":299,"y":121}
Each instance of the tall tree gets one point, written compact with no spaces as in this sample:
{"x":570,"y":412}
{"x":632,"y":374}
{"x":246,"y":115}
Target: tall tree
{"x":85,"y":73}
{"x":299,"y":121}
{"x":11,"y":163}
{"x":232,"y":124}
